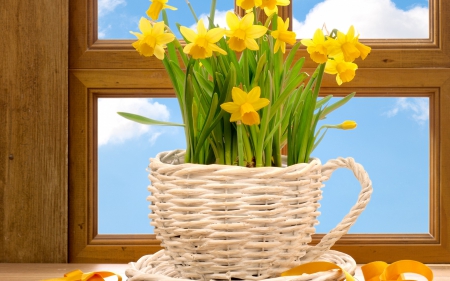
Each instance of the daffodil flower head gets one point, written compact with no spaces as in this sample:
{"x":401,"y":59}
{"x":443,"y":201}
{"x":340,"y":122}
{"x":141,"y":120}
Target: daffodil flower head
{"x":271,"y":6}
{"x":344,"y":70}
{"x":245,"y":106}
{"x":283,"y":35}
{"x":347,"y":43}
{"x":156,"y":6}
{"x":347,"y":125}
{"x":203,"y":43}
{"x":152,"y":40}
{"x":243,"y":32}
{"x":248,"y":4}
{"x":320,"y":47}
{"x":363,"y":49}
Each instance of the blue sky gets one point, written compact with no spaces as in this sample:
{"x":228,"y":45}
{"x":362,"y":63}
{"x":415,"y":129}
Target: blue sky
{"x":391,"y":142}
{"x":372,"y":18}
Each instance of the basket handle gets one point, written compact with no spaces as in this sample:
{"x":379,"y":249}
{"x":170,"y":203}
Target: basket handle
{"x":342,"y":228}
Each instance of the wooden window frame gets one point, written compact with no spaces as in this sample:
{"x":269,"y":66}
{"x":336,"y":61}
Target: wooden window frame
{"x":111,"y":68}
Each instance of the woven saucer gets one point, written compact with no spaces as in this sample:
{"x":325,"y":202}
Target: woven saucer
{"x":157,"y":268}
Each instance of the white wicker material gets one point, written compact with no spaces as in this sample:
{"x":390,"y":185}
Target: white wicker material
{"x":222,"y":222}
{"x":157,"y":267}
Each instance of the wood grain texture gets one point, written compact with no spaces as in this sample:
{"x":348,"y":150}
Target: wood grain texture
{"x":33,"y":146}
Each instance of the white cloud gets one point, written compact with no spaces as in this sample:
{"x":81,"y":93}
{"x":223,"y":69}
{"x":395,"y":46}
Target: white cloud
{"x":107,"y":6}
{"x":103,"y":31}
{"x":219,"y":19}
{"x":372,"y":19}
{"x":112,"y":128}
{"x":419,"y":108}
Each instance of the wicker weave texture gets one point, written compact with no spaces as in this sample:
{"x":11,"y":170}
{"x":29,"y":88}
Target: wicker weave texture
{"x":157,"y":267}
{"x":219,"y":222}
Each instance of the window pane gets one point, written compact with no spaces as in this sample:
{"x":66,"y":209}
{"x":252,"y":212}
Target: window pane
{"x":372,"y":18}
{"x":124,"y":149}
{"x":391,"y":142}
{"x":116,"y":18}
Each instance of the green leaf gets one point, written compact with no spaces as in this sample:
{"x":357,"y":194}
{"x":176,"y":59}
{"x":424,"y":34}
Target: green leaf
{"x":207,"y":128}
{"x":290,"y":57}
{"x":323,"y":101}
{"x":147,"y":121}
{"x":336,"y":105}
{"x":259,"y":68}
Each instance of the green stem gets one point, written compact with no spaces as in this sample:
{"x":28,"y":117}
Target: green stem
{"x":227,"y":137}
{"x":212,"y":13}
{"x":240,"y":144}
{"x":192,"y":10}
{"x":276,"y":150}
{"x":248,"y":147}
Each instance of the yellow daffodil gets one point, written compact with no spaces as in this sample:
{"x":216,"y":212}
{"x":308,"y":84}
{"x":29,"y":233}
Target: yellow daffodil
{"x":202,"y":44}
{"x":347,"y":44}
{"x":347,"y":125}
{"x":350,"y":46}
{"x":283,"y":35}
{"x":363,"y":49}
{"x":156,"y":6}
{"x":271,"y":6}
{"x":248,"y":4}
{"x":153,"y":39}
{"x":243,"y":32}
{"x":344,"y":70}
{"x":319,"y":47}
{"x":244,"y":106}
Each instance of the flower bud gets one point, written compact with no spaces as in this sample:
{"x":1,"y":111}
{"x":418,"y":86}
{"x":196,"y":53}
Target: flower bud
{"x":347,"y":125}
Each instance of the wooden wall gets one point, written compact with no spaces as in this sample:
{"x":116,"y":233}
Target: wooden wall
{"x":33,"y":130}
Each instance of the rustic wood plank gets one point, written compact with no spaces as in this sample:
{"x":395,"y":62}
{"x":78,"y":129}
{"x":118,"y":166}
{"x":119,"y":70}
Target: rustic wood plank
{"x":34,"y":104}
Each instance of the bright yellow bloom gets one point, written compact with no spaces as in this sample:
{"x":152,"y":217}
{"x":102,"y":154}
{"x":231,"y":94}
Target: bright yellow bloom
{"x":271,"y":6}
{"x":350,"y":46}
{"x":363,"y":49}
{"x":248,"y":4}
{"x":243,"y":32}
{"x":153,"y":39}
{"x":319,"y":48}
{"x":244,"y":106}
{"x":347,"y":44}
{"x":202,"y":44}
{"x":156,"y":7}
{"x":345,"y":71}
{"x":282,"y":35}
{"x":347,"y":125}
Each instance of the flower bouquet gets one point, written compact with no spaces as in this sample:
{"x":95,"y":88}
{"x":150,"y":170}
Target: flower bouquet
{"x":231,"y":206}
{"x":241,"y":99}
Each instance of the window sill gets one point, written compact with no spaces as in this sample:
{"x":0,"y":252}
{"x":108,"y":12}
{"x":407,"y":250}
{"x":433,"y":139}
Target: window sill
{"x":40,"y":271}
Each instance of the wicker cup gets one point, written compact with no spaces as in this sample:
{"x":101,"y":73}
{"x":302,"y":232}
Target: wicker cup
{"x":227,"y":222}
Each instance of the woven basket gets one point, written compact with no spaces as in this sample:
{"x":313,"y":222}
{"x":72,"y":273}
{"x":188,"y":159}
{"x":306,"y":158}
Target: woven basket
{"x":157,"y":267}
{"x":227,"y":222}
